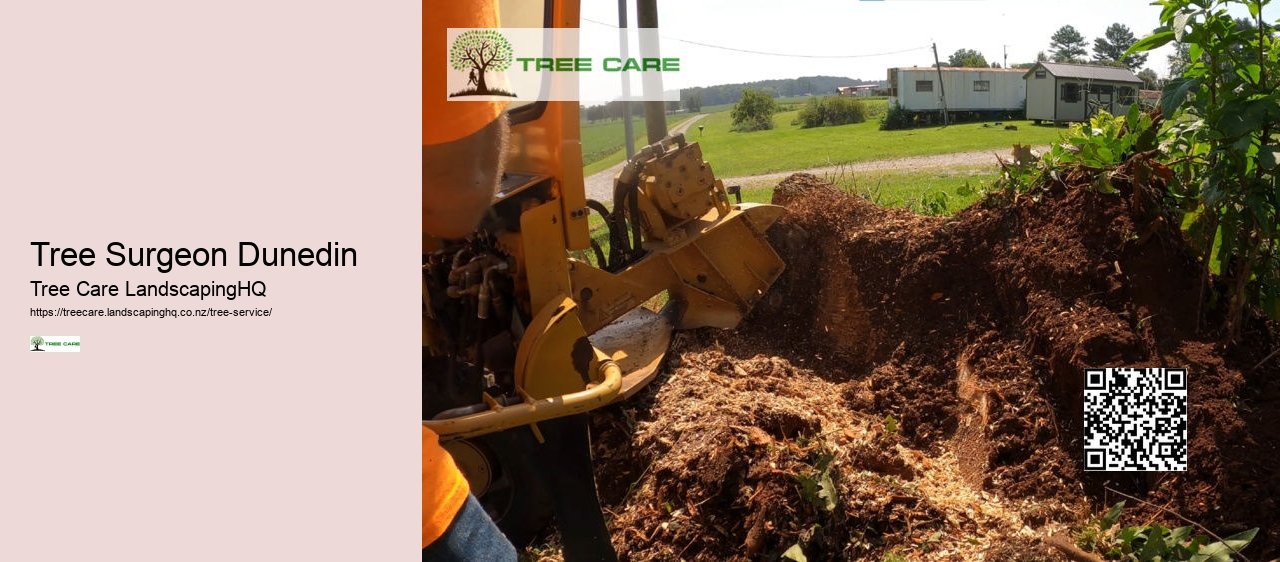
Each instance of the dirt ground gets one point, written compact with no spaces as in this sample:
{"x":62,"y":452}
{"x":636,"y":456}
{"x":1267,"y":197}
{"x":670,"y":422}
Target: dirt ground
{"x":971,"y":332}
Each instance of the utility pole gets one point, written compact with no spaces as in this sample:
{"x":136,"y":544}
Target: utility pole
{"x":655,"y":110}
{"x":941,"y":89}
{"x":1006,"y":56}
{"x":626,"y":80}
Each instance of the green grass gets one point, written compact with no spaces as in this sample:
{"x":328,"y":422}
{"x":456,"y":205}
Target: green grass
{"x":787,"y":147}
{"x":606,"y":140}
{"x":897,"y":188}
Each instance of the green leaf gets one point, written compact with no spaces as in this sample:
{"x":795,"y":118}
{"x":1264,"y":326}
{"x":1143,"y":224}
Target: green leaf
{"x":1268,"y":157}
{"x":1250,"y":73}
{"x":1197,"y":542}
{"x":827,"y":492}
{"x":890,"y":424}
{"x":1180,"y":25}
{"x":1153,"y":41}
{"x":1112,"y":515}
{"x":795,"y":554}
{"x":1177,"y":536}
{"x":1175,"y":92}
{"x":1103,"y":184}
{"x":1242,"y":539}
{"x":1154,"y":547}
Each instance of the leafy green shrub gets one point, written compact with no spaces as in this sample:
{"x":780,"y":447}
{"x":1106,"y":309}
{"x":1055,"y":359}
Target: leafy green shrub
{"x":1104,"y":143}
{"x":934,"y":203}
{"x":1151,"y":543}
{"x":1226,"y":111}
{"x":754,"y":112}
{"x":831,"y":111}
{"x":897,"y":118}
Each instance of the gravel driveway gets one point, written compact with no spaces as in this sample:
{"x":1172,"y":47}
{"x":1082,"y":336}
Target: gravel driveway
{"x":977,"y":157}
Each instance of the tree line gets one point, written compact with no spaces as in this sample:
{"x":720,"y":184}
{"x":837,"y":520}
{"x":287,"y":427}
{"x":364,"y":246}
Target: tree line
{"x":1068,"y":45}
{"x":805,"y":85}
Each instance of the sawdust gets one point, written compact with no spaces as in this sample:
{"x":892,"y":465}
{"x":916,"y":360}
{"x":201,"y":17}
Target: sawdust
{"x":928,"y":370}
{"x":726,"y":441}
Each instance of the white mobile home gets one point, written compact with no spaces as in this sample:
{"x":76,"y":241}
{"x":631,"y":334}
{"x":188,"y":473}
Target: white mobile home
{"x":980,"y":91}
{"x":1075,"y":92}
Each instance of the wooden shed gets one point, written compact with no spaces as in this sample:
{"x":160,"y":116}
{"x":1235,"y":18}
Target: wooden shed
{"x":1075,"y":92}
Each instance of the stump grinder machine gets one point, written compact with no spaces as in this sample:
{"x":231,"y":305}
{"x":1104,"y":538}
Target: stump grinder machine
{"x":532,"y":320}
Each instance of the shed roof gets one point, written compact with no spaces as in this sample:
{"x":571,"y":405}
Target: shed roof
{"x":1087,"y":72}
{"x":958,"y":68}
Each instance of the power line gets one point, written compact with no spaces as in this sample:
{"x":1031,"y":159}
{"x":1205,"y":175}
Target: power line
{"x":749,"y":51}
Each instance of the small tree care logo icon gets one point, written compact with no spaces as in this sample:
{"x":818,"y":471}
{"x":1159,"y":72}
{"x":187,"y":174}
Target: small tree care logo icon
{"x":54,"y":344}
{"x":478,"y":52}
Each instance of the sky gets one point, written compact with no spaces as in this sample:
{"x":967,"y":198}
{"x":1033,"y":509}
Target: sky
{"x":862,"y":32}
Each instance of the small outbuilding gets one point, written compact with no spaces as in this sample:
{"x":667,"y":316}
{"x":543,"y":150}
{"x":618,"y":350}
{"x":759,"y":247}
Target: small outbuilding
{"x":861,"y":91}
{"x":1075,"y":92}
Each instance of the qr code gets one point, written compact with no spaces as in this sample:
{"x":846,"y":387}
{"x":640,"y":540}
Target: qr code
{"x":1135,"y":419}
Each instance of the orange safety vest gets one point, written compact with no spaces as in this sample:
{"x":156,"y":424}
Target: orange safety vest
{"x":444,"y":489}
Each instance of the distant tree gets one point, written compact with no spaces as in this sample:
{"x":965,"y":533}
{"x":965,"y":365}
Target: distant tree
{"x":597,"y":113}
{"x":995,"y":64}
{"x":1246,"y":27}
{"x":1113,"y":44}
{"x":1179,"y":60}
{"x":693,"y":102}
{"x":1067,"y":45}
{"x":673,"y":105}
{"x":1149,"y":79}
{"x":803,"y":86}
{"x":1022,"y":65}
{"x":1041,"y":57}
{"x":617,"y":109}
{"x":968,"y":58}
{"x":753,"y":112}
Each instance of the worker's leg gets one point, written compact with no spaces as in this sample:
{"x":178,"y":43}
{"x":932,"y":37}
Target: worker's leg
{"x":471,"y":536}
{"x":565,"y":461}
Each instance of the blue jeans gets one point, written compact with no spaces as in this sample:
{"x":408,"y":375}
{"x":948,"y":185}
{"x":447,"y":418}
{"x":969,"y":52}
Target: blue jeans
{"x":471,"y":536}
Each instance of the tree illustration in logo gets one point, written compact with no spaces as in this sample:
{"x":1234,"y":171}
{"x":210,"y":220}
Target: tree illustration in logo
{"x":477,"y":52}
{"x":37,"y":341}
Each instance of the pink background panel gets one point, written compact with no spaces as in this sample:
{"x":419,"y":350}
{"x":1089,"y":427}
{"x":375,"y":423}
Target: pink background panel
{"x":197,"y":124}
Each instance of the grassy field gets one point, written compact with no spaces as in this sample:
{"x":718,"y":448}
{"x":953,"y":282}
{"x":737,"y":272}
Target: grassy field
{"x":785,"y":104}
{"x":899,"y":188}
{"x":606,"y":140}
{"x":788,"y":147}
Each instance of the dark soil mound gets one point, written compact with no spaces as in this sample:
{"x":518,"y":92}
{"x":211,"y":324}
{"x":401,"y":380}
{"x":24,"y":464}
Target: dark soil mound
{"x":972,"y":332}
